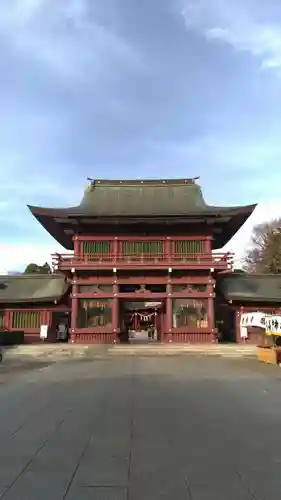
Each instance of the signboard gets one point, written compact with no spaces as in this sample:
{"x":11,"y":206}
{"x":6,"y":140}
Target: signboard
{"x":152,"y":304}
{"x":44,"y":332}
{"x":273,"y":325}
{"x":253,"y":319}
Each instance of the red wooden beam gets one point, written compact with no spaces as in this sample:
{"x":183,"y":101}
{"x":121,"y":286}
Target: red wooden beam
{"x":134,"y":266}
{"x":185,"y":329}
{"x":40,"y":309}
{"x":189,"y":238}
{"x":143,"y":280}
{"x":140,"y":238}
{"x":93,"y":329}
{"x":141,"y":295}
{"x":159,"y":264}
{"x":94,"y":280}
{"x":127,"y":295}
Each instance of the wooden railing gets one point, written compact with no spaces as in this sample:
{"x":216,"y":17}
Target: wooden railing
{"x":193,"y":261}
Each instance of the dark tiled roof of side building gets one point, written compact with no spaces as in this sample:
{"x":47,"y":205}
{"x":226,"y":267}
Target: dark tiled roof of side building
{"x":32,"y":288}
{"x":251,"y":288}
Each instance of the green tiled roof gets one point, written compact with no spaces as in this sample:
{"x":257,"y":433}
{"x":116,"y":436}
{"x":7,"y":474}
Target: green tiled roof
{"x":135,"y":198}
{"x":155,"y":202}
{"x":145,"y":198}
{"x":32,"y":288}
{"x":178,"y":197}
{"x":251,"y":288}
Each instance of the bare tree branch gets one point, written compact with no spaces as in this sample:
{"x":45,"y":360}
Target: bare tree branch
{"x":264,"y":256}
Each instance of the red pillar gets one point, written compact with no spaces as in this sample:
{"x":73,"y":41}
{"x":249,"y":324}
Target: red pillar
{"x":169,"y":312}
{"x":115,"y":311}
{"x":168,"y":249}
{"x":74,"y":311}
{"x":114,"y":250}
{"x":7,"y":320}
{"x":211,"y":318}
{"x":76,"y":245}
{"x":238,"y":313}
{"x":208,"y":244}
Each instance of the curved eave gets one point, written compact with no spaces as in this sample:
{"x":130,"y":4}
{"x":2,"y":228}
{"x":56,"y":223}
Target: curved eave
{"x":238,"y":216}
{"x":30,"y":300}
{"x":232,"y":218}
{"x":47,"y":218}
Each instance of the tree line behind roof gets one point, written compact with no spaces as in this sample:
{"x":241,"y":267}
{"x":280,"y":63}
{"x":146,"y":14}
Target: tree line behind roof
{"x":33,"y":268}
{"x":264,"y":254}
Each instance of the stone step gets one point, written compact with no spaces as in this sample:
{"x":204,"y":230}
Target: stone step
{"x":60,"y":352}
{"x":176,"y":350}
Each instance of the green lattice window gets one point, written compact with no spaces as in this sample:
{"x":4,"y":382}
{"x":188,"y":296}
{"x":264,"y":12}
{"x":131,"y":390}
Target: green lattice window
{"x":96,"y":247}
{"x":187,"y":247}
{"x":26,"y":319}
{"x":2,"y":317}
{"x":136,"y":248}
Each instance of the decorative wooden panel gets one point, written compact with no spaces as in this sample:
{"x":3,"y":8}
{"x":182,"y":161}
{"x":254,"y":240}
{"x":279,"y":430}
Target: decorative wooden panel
{"x":196,"y":337}
{"x":95,"y":338}
{"x":138,"y":248}
{"x":102,"y":247}
{"x":26,"y":319}
{"x":186,"y":247}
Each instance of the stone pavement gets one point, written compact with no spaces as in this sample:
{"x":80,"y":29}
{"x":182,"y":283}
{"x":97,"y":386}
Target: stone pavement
{"x":60,"y":352}
{"x":142,"y":429}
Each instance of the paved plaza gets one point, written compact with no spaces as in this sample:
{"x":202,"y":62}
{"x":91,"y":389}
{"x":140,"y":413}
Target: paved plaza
{"x":137,"y":428}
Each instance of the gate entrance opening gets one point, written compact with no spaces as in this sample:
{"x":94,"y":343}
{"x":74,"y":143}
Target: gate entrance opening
{"x":142,"y":321}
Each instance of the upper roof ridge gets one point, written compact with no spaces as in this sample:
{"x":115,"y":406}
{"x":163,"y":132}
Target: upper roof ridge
{"x":139,"y":182}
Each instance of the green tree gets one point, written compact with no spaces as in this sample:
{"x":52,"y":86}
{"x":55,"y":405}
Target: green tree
{"x":264,"y":254}
{"x":45,"y":269}
{"x":33,"y":268}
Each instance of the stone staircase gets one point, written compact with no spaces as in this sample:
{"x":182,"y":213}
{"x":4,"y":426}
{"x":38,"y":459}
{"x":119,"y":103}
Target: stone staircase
{"x":59,"y":352}
{"x":155,"y":349}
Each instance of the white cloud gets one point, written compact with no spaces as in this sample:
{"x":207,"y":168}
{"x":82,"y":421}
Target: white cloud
{"x":244,"y":29}
{"x":229,"y":152}
{"x":15,"y":257}
{"x":241,"y":242}
{"x":63,"y":36}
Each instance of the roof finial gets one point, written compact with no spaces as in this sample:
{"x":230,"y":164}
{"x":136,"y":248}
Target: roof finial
{"x":91,"y":185}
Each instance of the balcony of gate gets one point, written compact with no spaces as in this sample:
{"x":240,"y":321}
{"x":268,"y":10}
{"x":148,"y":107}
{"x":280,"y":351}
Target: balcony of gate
{"x":106,"y":261}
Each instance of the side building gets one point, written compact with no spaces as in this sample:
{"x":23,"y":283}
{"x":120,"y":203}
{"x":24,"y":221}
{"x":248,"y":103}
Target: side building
{"x":29,"y":301}
{"x":237,"y":294}
{"x":141,"y":257}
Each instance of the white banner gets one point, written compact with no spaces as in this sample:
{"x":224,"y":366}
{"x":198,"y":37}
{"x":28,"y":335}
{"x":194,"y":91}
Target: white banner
{"x":44,"y":331}
{"x":273,"y":325}
{"x":256,"y":318}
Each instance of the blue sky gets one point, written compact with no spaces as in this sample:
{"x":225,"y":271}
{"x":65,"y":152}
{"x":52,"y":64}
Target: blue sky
{"x":129,"y":88}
